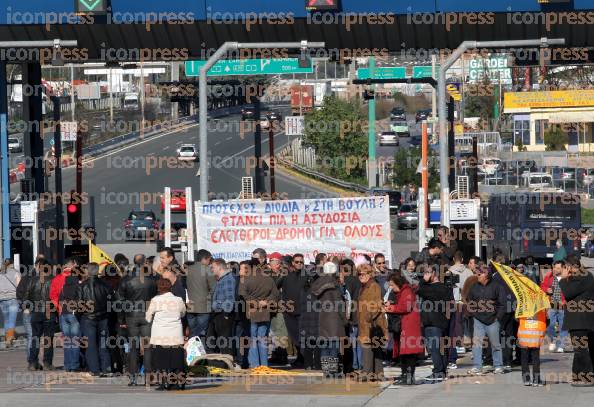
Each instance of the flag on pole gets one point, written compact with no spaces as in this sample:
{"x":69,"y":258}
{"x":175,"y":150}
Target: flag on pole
{"x":96,"y":255}
{"x":531,"y":299}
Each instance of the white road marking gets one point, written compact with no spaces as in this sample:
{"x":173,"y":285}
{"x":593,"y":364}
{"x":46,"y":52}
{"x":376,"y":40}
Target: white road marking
{"x":229,"y":138}
{"x":247,"y":149}
{"x":217,"y":143}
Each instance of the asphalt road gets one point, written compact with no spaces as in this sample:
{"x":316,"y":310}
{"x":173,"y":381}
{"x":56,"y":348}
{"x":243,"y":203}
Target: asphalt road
{"x":135,"y":176}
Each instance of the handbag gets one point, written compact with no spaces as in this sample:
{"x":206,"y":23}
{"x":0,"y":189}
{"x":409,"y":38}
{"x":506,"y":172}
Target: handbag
{"x":395,"y":323}
{"x":376,"y":334}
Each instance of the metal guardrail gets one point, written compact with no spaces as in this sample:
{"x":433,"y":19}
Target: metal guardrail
{"x":320,"y":176}
{"x":129,"y":138}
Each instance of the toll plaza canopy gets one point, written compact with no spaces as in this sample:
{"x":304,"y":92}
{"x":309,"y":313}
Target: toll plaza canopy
{"x":343,"y":24}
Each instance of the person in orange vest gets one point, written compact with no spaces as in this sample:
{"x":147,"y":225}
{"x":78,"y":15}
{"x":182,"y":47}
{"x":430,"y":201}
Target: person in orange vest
{"x":530,"y":337}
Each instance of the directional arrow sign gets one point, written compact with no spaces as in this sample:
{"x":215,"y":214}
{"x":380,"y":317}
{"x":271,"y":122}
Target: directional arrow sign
{"x":229,"y":67}
{"x":90,"y":6}
{"x":424,"y":71}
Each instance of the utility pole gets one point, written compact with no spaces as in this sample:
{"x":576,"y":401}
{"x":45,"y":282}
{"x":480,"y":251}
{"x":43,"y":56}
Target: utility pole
{"x":371,"y":163}
{"x":423,"y":191}
{"x":4,"y":213}
{"x":142,"y":99}
{"x":58,"y":180}
{"x":110,"y":96}
{"x":174,"y":77}
{"x":272,"y":162}
{"x":258,"y":148}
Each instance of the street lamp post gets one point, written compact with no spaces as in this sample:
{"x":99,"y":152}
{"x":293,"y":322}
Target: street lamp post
{"x":202,"y":84}
{"x":444,"y":166}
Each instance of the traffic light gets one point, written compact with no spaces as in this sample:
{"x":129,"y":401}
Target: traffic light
{"x":74,"y":215}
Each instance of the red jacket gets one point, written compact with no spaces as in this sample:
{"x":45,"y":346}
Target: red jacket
{"x":547,"y":282}
{"x":56,"y":288}
{"x":411,"y":340}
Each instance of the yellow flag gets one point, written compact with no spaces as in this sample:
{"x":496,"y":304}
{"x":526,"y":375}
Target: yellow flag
{"x":531,"y":299}
{"x":96,"y":255}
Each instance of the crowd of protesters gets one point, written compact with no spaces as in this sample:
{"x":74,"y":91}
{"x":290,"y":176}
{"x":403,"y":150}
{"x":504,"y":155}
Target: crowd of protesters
{"x":343,"y":316}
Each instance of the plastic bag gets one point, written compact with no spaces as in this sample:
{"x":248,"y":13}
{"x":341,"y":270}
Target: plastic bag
{"x":194,"y":350}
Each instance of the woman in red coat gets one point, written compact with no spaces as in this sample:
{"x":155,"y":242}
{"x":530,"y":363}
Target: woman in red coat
{"x":409,"y":344}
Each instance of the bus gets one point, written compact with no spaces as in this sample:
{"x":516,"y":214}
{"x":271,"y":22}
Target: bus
{"x":521,"y":224}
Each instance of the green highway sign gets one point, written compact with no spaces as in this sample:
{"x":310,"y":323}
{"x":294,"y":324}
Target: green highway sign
{"x":424,"y":71}
{"x":395,"y":72}
{"x":229,"y":67}
{"x":390,"y":72}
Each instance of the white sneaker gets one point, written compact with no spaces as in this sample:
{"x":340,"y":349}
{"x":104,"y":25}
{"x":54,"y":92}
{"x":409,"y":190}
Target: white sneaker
{"x":461,"y":350}
{"x":452,"y":366}
{"x":552,"y":347}
{"x":560,"y":350}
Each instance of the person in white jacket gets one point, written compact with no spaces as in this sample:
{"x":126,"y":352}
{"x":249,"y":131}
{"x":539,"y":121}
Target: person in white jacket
{"x":167,"y":339}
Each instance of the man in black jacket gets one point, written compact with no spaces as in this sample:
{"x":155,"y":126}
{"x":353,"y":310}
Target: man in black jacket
{"x":291,"y":287}
{"x":96,"y":295}
{"x":577,"y":286}
{"x":437,"y":302}
{"x":33,"y":292}
{"x":486,"y":303}
{"x":134,"y":293}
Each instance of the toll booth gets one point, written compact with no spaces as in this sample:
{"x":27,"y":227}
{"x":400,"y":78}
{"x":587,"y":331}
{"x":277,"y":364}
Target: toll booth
{"x":465,"y":225}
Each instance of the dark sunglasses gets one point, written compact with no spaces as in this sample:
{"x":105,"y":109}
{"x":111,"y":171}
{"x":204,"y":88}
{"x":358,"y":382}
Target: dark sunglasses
{"x":380,"y":262}
{"x":297,"y":262}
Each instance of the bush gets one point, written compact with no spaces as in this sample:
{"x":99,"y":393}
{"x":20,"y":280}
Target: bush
{"x":555,"y":139}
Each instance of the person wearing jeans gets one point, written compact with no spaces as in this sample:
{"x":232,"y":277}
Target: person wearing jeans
{"x":434,"y":339}
{"x":492,"y":332}
{"x":437,"y":306}
{"x":71,"y":330}
{"x":258,"y":353}
{"x":9,"y":305}
{"x":97,"y":355}
{"x":259,"y":292}
{"x":198,"y":323}
{"x":550,"y":285}
{"x":486,"y":302}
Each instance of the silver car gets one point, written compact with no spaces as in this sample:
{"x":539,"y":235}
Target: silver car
{"x":408,"y":216}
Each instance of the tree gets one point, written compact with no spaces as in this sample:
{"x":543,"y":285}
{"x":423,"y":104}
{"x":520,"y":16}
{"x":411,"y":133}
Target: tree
{"x":406,"y":163}
{"x":338,"y":131}
{"x":481,"y":102}
{"x":555,"y":139}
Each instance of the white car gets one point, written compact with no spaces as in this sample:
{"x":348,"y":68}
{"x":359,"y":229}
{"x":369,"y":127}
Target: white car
{"x":187,"y":152}
{"x":388,"y":138}
{"x":14,"y":145}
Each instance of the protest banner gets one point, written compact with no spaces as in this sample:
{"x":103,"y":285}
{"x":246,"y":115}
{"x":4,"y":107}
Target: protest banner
{"x":335,"y":226}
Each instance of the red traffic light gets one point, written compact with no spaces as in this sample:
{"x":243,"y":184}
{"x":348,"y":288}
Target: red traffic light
{"x":72,"y":208}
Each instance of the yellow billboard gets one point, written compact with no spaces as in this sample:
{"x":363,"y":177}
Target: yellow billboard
{"x":546,"y":99}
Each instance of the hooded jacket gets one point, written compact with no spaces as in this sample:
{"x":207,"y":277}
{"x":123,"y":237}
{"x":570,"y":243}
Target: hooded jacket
{"x":331,"y":306}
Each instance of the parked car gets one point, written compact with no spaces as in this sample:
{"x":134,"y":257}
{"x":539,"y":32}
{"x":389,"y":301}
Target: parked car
{"x":273,"y":115}
{"x":397,"y":113}
{"x":178,"y":235}
{"x":14,"y":145}
{"x":423,"y":114}
{"x":389,"y":138}
{"x":178,"y":201}
{"x":415,"y":141}
{"x":141,"y":225}
{"x":395,"y":197}
{"x":589,"y":177}
{"x":400,"y":128}
{"x":489,"y":165}
{"x":248,"y":113}
{"x":408,"y":216}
